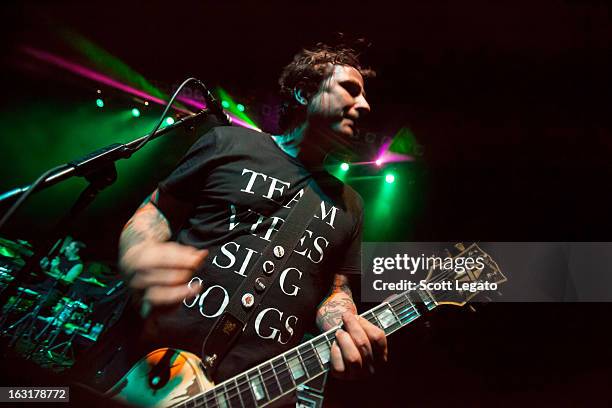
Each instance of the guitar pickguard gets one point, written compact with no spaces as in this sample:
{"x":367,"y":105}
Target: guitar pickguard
{"x":161,"y":379}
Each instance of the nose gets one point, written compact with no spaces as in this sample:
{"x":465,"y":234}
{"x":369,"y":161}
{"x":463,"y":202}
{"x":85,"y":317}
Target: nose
{"x":362,"y":105}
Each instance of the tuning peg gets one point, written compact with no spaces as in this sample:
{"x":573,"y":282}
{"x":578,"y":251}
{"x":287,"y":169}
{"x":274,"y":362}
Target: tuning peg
{"x":499,"y":293}
{"x":472,"y":308}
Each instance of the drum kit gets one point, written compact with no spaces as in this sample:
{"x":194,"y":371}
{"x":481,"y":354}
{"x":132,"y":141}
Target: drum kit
{"x":34,"y":320}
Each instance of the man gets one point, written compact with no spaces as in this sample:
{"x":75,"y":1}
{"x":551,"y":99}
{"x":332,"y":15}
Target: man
{"x":63,"y":269}
{"x":189,"y":246}
{"x":68,"y":265}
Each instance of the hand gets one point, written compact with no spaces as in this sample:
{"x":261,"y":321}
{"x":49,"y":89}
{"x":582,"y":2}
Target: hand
{"x":359,"y":347}
{"x":159,"y":272}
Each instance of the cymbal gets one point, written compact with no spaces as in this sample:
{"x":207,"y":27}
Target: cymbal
{"x":12,"y":249}
{"x":92,"y":281}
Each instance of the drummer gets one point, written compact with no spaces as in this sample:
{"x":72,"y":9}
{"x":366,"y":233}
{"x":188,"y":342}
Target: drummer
{"x":68,"y":265}
{"x":64,"y":269}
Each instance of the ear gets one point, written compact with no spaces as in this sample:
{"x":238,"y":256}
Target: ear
{"x":299,"y":97}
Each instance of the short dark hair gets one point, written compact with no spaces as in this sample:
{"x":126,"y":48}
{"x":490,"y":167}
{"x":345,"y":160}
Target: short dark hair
{"x":308,"y":68}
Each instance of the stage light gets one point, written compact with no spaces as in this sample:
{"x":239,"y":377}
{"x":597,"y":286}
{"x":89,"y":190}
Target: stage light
{"x":99,"y":91}
{"x":225,"y":104}
{"x":146,"y":103}
{"x":135,"y":112}
{"x":100,"y":103}
{"x":169,"y":120}
{"x":344,"y":166}
{"x":379,"y":162}
{"x":390,"y":178}
{"x":240,"y":107}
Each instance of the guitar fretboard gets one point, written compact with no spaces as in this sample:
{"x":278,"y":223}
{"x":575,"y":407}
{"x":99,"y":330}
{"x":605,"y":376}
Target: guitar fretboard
{"x":281,"y":375}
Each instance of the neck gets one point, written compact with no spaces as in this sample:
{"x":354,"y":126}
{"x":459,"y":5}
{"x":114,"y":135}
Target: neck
{"x":300,"y":142}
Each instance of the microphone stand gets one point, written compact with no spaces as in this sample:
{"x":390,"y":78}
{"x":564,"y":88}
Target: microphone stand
{"x":98,"y":168}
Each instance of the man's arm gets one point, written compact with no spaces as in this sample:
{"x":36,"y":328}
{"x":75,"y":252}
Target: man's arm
{"x":158,"y":270}
{"x":147,"y":224}
{"x":359,"y":344}
{"x":339,"y":301}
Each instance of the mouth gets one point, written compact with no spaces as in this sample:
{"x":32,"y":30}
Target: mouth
{"x":350,"y":122}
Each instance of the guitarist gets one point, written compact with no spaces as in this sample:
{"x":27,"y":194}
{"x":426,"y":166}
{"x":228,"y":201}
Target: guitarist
{"x":190,"y":244}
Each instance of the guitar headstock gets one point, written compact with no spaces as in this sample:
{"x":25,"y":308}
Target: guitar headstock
{"x":456,"y":282}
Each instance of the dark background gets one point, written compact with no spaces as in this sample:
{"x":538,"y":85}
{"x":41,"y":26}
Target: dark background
{"x":509,"y":101}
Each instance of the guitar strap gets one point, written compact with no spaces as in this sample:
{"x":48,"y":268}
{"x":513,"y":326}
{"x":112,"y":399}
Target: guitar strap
{"x":260,"y":278}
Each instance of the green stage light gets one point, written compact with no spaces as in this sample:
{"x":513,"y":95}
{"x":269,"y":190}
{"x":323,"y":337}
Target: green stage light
{"x":169,"y":120}
{"x":225,"y":104}
{"x":240,"y":107}
{"x":135,"y":112}
{"x":100,"y":103}
{"x":344,"y":166}
{"x":389,"y":178}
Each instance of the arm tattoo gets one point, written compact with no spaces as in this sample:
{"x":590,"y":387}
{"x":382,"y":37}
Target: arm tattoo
{"x":337,"y":303}
{"x":330,"y":313}
{"x":341,"y":285}
{"x":147,"y":223}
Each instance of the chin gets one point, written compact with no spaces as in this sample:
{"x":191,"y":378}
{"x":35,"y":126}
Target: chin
{"x":344,"y":131}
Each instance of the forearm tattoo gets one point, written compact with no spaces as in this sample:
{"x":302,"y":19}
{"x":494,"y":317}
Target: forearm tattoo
{"x":147,"y":223}
{"x":337,"y":303}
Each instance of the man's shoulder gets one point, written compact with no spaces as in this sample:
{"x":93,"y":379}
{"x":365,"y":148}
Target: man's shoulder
{"x":226,"y":134}
{"x":353,"y":200}
{"x":342,"y":194}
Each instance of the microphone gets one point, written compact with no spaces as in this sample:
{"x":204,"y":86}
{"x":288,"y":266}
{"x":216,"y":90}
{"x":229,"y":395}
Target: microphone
{"x":213,"y":105}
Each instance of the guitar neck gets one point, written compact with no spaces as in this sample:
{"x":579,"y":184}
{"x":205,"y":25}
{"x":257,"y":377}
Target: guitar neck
{"x":282,"y":374}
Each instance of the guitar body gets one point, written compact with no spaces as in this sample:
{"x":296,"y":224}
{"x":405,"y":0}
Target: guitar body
{"x":169,"y":377}
{"x":161,"y":379}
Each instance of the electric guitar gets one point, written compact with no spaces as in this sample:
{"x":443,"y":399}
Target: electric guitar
{"x":174,"y":378}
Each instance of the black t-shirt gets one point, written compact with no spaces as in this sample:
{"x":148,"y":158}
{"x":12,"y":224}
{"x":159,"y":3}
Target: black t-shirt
{"x":238,"y":187}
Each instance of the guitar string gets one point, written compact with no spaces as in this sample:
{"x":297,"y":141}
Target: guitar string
{"x":228,"y":390}
{"x":402,"y":303}
{"x":228,"y":393}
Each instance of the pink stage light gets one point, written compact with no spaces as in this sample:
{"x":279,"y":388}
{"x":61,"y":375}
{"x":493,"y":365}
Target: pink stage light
{"x":93,"y":75}
{"x":108,"y":81}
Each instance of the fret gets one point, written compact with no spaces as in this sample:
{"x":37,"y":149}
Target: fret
{"x":407,"y":311}
{"x":233,"y":395}
{"x":393,"y":311}
{"x":372,"y":318}
{"x":296,"y":365}
{"x":323,"y":350}
{"x":283,"y":374}
{"x":428,"y":300}
{"x":311,"y":360}
{"x":202,"y":400}
{"x":270,"y":382}
{"x":376,"y":321}
{"x":220,"y":396}
{"x":386,"y":318}
{"x":257,"y":387}
{"x":330,"y":338}
{"x":263,"y":382}
{"x":246,"y":394}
